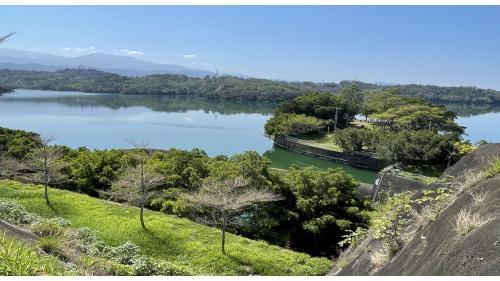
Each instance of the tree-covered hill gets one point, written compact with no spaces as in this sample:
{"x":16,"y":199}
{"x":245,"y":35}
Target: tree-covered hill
{"x":86,"y":80}
{"x":221,"y":87}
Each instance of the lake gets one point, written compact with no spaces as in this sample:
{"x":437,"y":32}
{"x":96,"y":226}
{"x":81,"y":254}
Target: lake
{"x":104,"y":121}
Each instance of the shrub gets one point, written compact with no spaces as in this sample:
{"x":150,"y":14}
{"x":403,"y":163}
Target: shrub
{"x":493,"y":169}
{"x":47,"y":227}
{"x":126,"y":253}
{"x":353,"y":139}
{"x":144,"y":266}
{"x":84,"y":239}
{"x":15,"y":213}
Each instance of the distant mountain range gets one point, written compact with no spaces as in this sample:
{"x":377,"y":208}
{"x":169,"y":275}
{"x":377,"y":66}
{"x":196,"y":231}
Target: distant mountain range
{"x":124,"y":65}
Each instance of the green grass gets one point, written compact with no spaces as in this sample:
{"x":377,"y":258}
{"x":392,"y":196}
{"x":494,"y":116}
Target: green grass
{"x":323,"y":141}
{"x":168,"y":237}
{"x":494,"y":168}
{"x":362,"y":123}
{"x":19,"y":259}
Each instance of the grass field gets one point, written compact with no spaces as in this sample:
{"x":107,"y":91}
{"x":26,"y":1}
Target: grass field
{"x":323,"y":141}
{"x":168,"y":237}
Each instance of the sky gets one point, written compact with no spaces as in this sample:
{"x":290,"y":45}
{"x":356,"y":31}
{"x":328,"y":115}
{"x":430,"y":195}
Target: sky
{"x":441,"y":45}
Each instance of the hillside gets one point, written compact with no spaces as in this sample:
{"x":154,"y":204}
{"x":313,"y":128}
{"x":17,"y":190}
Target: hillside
{"x":87,"y":80}
{"x":168,"y":238}
{"x":220,"y":87}
{"x":455,"y":236}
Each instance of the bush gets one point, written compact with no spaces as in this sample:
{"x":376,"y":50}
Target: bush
{"x":15,"y":213}
{"x":85,"y":240}
{"x":144,"y":266}
{"x":493,"y":169}
{"x":126,"y":253}
{"x":47,"y":227}
{"x":353,"y":139}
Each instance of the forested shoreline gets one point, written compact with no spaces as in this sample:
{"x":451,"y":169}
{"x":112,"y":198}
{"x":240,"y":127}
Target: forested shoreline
{"x":222,"y":87}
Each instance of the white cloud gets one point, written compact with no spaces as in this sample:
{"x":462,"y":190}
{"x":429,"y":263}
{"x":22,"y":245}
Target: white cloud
{"x":79,"y":50}
{"x":188,"y":56}
{"x":206,"y":63}
{"x":131,"y":52}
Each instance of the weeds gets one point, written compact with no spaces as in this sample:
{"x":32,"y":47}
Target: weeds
{"x":466,"y":221}
{"x":479,"y":196}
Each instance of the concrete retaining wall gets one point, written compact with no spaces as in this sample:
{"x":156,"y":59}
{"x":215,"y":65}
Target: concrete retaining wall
{"x":362,"y":160}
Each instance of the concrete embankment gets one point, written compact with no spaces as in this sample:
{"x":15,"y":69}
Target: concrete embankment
{"x":356,"y":159}
{"x":462,"y":237}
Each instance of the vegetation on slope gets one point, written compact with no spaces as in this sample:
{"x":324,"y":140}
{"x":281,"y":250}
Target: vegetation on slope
{"x":169,"y":238}
{"x":180,"y":173}
{"x":214,"y":87}
{"x":20,"y":259}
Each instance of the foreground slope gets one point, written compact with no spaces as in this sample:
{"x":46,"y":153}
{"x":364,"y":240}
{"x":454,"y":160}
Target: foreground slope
{"x":168,"y":237}
{"x":463,"y":238}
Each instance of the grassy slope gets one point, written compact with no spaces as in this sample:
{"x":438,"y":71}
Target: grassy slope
{"x":168,"y":237}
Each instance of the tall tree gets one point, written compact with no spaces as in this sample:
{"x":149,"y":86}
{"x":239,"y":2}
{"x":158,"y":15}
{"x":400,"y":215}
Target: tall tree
{"x":139,"y":183}
{"x":352,"y":98}
{"x":225,"y":199}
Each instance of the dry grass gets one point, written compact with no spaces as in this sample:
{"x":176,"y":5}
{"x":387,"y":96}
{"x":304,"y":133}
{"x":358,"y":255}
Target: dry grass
{"x":380,"y":257}
{"x":479,"y":196}
{"x":469,"y":179}
{"x":466,"y":221}
{"x":426,"y":215}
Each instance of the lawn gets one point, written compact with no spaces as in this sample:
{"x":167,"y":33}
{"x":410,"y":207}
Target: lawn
{"x":322,"y":141}
{"x":168,"y":237}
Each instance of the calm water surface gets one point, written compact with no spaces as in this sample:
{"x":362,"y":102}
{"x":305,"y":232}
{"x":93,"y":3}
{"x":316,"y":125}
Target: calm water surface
{"x":101,"y":121}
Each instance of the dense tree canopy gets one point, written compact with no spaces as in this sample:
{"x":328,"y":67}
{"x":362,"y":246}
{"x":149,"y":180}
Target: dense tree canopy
{"x":225,"y":87}
{"x":286,"y":124}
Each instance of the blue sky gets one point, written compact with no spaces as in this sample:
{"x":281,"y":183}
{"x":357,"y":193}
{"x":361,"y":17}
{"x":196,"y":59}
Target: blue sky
{"x":431,"y":45}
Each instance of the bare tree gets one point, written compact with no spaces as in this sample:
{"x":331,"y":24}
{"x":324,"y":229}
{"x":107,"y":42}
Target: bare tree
{"x":139,"y":183}
{"x":45,"y":162}
{"x":224,"y":199}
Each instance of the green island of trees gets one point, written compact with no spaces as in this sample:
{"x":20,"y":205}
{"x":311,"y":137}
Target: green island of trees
{"x":408,"y":131}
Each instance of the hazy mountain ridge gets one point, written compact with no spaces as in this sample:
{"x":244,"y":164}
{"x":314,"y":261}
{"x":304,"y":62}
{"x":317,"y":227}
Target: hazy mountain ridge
{"x":124,"y":65}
